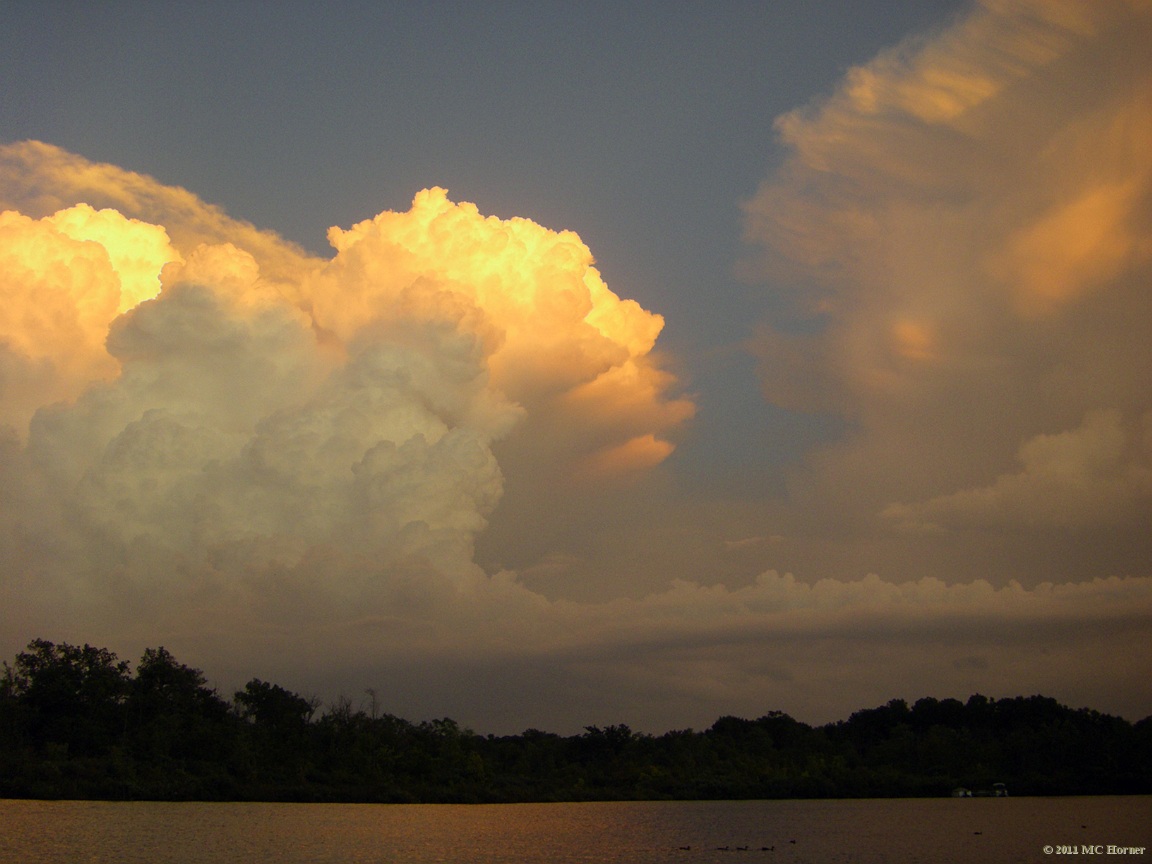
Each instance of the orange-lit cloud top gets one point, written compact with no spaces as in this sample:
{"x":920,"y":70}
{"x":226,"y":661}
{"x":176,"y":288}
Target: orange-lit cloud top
{"x":549,"y":327}
{"x":66,"y":277}
{"x":39,"y":179}
{"x":184,"y":381}
{"x":974,"y":211}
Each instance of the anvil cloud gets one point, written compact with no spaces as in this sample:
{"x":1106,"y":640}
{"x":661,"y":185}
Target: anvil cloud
{"x":976,"y":211}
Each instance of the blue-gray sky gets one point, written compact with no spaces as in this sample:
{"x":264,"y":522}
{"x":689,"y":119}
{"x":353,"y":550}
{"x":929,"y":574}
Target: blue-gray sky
{"x":901,"y":254}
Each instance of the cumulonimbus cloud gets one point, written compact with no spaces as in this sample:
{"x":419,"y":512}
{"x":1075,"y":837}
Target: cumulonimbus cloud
{"x":424,"y":322}
{"x":180,"y":386}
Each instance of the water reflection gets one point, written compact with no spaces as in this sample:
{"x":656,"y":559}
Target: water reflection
{"x":788,"y":832}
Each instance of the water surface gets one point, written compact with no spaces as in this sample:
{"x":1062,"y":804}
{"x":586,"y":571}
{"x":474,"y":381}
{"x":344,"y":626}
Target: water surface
{"x":941,"y":831}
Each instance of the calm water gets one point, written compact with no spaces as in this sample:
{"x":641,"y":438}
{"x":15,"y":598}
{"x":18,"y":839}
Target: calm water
{"x":825,"y":832}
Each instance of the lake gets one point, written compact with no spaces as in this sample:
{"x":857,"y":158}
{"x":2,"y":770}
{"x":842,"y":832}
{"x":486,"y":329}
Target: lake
{"x":940,"y":831}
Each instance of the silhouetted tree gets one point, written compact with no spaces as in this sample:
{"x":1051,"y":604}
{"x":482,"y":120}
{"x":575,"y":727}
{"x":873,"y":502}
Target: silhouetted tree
{"x":277,"y":721}
{"x":72,"y":723}
{"x":173,"y":713}
{"x":67,"y":696}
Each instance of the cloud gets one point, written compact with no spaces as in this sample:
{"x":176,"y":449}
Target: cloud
{"x":814,"y":650}
{"x":1099,"y":473}
{"x":40,"y":179}
{"x":280,"y":465}
{"x":557,"y":340}
{"x":202,"y":418}
{"x":67,"y":276}
{"x":967,"y":224}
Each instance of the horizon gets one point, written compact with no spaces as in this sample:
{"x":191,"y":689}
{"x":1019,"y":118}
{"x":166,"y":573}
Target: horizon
{"x":371,"y":704}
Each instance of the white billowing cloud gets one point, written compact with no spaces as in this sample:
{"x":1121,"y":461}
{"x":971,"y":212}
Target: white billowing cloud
{"x":201,"y":416}
{"x":482,"y":318}
{"x":972,"y":216}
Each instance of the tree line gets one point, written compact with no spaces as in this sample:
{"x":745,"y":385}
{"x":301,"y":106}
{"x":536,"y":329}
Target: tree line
{"x":75,"y":722}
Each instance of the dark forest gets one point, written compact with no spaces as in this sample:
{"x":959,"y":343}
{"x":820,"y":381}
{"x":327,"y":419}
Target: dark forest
{"x":75,"y":722}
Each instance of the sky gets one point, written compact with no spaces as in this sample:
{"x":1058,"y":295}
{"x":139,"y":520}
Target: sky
{"x":549,"y":365}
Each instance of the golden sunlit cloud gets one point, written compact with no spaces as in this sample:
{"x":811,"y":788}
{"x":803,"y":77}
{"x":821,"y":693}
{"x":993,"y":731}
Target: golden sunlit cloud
{"x":971,"y":217}
{"x":913,"y":340}
{"x":214,"y":433}
{"x":546,"y":321}
{"x":137,"y":251}
{"x":638,"y":454}
{"x":196,"y":387}
{"x":39,"y":179}
{"x":66,"y":277}
{"x":1081,"y":245}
